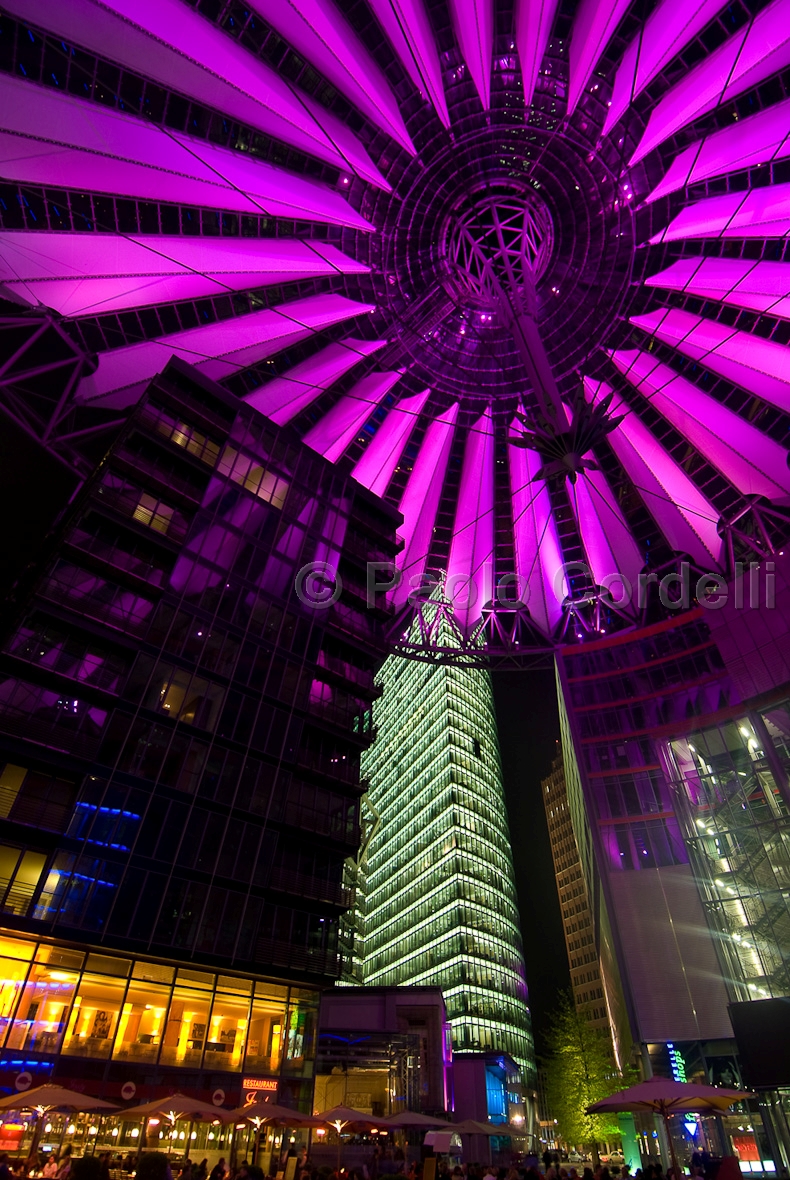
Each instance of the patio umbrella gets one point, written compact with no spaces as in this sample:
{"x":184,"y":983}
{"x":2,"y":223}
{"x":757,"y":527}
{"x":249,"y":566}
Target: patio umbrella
{"x":43,"y":1099}
{"x":413,"y":1119}
{"x":346,"y":1118}
{"x":664,"y":1096}
{"x":178,"y":1106}
{"x":270,"y":1112}
{"x":175,"y":1107}
{"x":473,"y":1127}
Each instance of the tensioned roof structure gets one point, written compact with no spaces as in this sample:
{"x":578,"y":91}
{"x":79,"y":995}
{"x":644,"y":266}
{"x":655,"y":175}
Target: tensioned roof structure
{"x":523,"y":267}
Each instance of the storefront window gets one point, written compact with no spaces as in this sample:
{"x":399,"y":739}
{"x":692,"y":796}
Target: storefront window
{"x":300,"y":1035}
{"x":142,"y":1023}
{"x":43,"y":1009}
{"x":94,"y":1017}
{"x":227,"y":1031}
{"x":186,"y":1028}
{"x":16,"y":957}
{"x":267,"y":1025}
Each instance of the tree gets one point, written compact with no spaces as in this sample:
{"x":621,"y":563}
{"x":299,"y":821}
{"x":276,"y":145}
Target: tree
{"x":580,"y":1069}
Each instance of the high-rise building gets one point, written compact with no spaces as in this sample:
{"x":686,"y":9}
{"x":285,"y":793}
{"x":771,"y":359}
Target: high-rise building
{"x":437,"y":898}
{"x":676,"y":744}
{"x":585,"y":971}
{"x":180,"y":741}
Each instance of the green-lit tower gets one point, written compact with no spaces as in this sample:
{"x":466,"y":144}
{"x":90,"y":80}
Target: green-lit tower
{"x":436,"y":894}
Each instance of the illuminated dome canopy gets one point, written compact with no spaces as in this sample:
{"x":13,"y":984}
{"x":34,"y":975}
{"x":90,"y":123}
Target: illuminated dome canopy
{"x":523,"y":268}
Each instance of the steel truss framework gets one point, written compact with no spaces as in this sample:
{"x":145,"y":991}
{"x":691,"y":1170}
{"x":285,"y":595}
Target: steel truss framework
{"x":483,"y":221}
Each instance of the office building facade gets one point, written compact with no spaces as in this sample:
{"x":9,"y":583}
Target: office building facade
{"x":181,"y":738}
{"x":585,"y":970}
{"x":675,"y":744}
{"x":437,"y":901}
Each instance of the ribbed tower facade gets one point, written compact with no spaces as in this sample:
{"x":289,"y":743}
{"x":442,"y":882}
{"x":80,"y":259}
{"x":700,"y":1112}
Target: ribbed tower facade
{"x":436,"y":893}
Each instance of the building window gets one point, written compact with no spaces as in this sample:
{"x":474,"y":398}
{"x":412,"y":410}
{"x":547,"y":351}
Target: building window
{"x":142,"y":1022}
{"x":94,"y":1016}
{"x":186,"y":1028}
{"x":20,"y":873}
{"x":43,"y":1008}
{"x":266,"y":1033}
{"x":152,"y":512}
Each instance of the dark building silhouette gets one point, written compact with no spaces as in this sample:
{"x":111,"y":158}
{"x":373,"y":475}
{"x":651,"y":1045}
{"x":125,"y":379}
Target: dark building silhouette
{"x":181,"y":737}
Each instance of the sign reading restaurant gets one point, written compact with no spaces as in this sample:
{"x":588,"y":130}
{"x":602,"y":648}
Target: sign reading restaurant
{"x":255,"y":1089}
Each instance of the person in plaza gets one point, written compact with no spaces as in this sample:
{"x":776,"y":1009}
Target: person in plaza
{"x":154,"y":1165}
{"x":64,"y":1163}
{"x":218,"y":1171}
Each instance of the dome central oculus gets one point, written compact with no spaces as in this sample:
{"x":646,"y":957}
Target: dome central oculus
{"x":501,"y":241}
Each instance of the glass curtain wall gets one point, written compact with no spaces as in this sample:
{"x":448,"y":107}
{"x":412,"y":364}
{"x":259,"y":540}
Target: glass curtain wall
{"x":436,"y":894}
{"x":57,"y":1000}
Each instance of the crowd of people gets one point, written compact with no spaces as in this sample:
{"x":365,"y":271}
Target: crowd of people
{"x":383,"y":1162}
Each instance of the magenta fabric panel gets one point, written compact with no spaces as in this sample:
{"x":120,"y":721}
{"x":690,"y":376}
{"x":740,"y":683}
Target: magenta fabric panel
{"x":757,"y":140}
{"x":406,"y":24}
{"x":757,"y":213}
{"x":381,"y":456}
{"x":420,"y":501}
{"x":667,"y":30}
{"x":322,"y":35}
{"x":748,"y":57}
{"x":78,"y":274}
{"x":339,"y":427}
{"x":473,"y":21}
{"x":282,"y":398}
{"x":611,"y":550}
{"x":761,"y":366}
{"x":758,"y":286}
{"x":172,"y":44}
{"x":470,"y":564}
{"x":110,"y":151}
{"x":538,"y":557}
{"x":218,"y":350}
{"x":534,"y":20}
{"x":685,"y":516}
{"x":754,"y":463}
{"x":594,"y":25}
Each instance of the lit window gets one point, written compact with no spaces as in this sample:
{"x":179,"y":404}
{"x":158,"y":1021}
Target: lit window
{"x":154,"y":513}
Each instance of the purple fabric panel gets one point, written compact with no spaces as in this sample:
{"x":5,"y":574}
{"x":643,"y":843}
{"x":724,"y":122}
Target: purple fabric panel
{"x":473,"y":21}
{"x":114,"y":152}
{"x":183,"y":51}
{"x":686,"y":518}
{"x":538,"y":557}
{"x":754,"y":463}
{"x":758,"y":286}
{"x":757,"y":140}
{"x":339,"y":427}
{"x":748,"y":57}
{"x":594,"y":26}
{"x":534,"y":19}
{"x":377,"y":466}
{"x":406,"y":24}
{"x":218,"y":350}
{"x":284,"y":397}
{"x":667,"y":30}
{"x":80,"y":273}
{"x":420,"y":500}
{"x":758,"y":213}
{"x":608,"y":544}
{"x":471,"y":558}
{"x":761,"y":366}
{"x":327,"y":41}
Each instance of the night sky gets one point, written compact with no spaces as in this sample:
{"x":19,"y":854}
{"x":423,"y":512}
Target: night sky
{"x":526,"y":705}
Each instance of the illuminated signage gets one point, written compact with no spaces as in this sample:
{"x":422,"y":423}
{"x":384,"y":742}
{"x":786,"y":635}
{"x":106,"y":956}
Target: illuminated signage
{"x":676,"y":1063}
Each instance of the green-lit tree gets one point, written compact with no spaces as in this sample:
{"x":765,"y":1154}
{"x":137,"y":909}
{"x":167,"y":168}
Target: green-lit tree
{"x":580,"y":1069}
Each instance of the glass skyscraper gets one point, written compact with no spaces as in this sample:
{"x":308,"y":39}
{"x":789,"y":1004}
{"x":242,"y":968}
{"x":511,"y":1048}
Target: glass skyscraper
{"x":436,"y":894}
